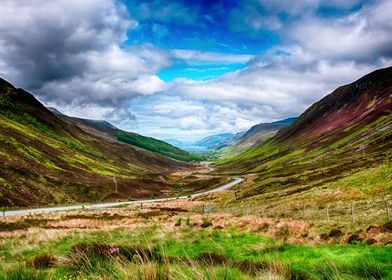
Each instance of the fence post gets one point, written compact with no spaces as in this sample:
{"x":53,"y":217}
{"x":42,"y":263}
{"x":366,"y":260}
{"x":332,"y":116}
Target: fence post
{"x":203,"y":209}
{"x":387,"y":209}
{"x":115,"y":183}
{"x":352,"y":213}
{"x":328,"y":212}
{"x":141,"y":205}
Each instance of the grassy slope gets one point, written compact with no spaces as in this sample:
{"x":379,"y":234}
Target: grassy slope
{"x":137,"y":140}
{"x":47,"y":160}
{"x":253,"y":137}
{"x":346,"y":132}
{"x":252,"y":140}
{"x":154,"y":145}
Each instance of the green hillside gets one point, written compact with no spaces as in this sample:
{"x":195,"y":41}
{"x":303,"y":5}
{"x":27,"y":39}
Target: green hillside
{"x":344,"y":133}
{"x":154,"y":145}
{"x":49,"y":160}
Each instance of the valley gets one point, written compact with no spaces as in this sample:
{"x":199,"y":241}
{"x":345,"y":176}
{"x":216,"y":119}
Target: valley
{"x":301,"y":198}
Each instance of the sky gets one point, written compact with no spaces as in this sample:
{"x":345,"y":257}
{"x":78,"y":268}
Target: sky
{"x":188,"y":69}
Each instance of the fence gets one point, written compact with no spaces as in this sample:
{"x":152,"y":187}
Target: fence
{"x":364,"y":211}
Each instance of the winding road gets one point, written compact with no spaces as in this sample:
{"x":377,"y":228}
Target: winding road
{"x":226,"y":186}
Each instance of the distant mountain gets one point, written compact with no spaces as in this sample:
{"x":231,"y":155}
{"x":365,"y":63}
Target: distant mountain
{"x":217,"y":141}
{"x":233,"y":143}
{"x":50,"y":158}
{"x":257,"y":134}
{"x":347,"y":130}
{"x":188,"y":146}
{"x":208,"y":143}
{"x":254,"y":131}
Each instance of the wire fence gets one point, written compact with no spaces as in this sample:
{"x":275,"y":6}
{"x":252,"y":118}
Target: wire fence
{"x":363,"y":211}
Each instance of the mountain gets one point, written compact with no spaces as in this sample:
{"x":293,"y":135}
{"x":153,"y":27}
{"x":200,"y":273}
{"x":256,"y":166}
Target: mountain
{"x":55,"y":111}
{"x":155,"y":145}
{"x":217,"y":141}
{"x":188,"y":146}
{"x":49,"y":158}
{"x":96,"y":123}
{"x":148,"y":143}
{"x":254,"y":136}
{"x":346,"y":131}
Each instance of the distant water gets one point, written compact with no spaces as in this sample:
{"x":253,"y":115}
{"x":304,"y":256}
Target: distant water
{"x":194,"y":148}
{"x":187,"y":146}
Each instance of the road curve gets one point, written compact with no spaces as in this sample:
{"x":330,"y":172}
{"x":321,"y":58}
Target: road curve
{"x":226,"y":186}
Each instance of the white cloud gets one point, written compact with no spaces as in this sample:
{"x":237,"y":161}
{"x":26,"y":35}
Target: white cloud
{"x":280,"y":86}
{"x":195,"y":57}
{"x":362,"y":36}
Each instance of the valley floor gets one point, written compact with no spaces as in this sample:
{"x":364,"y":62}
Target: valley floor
{"x":189,"y":240}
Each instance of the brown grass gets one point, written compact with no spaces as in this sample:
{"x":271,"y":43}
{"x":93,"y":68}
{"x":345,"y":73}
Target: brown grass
{"x":167,"y":215}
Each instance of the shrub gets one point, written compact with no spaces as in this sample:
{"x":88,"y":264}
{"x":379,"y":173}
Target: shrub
{"x":209,"y":258}
{"x":369,"y":269}
{"x":206,"y":223}
{"x":178,"y":223}
{"x":188,"y":222}
{"x":43,"y":261}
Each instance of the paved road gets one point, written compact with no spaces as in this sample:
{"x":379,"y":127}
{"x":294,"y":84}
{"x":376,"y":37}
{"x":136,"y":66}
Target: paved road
{"x":236,"y":181}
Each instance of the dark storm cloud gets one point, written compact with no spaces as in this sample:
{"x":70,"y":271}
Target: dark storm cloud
{"x":69,"y":51}
{"x":46,"y":42}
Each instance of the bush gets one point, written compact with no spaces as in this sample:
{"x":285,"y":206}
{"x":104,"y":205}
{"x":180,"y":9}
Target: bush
{"x":43,"y":261}
{"x":206,"y":223}
{"x":188,"y":222}
{"x":178,"y":223}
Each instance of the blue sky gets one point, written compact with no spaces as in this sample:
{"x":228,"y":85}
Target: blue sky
{"x":187,"y":69}
{"x":195,"y":25}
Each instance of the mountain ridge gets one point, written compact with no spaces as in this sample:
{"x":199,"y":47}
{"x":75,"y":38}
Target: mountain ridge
{"x":50,"y":160}
{"x":347,"y":130}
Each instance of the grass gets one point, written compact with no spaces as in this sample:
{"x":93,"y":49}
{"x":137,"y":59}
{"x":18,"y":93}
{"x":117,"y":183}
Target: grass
{"x":72,"y":143}
{"x":290,"y":167}
{"x":154,"y":145}
{"x":122,"y":246}
{"x":367,"y":190}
